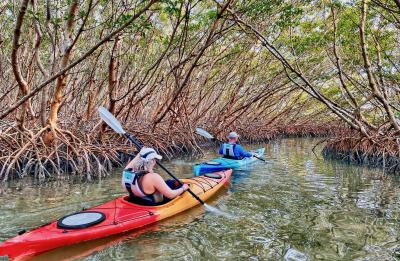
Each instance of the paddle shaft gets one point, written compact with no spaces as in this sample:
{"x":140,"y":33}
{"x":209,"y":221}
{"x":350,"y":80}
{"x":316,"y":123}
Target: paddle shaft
{"x":255,"y":156}
{"x":139,"y":146}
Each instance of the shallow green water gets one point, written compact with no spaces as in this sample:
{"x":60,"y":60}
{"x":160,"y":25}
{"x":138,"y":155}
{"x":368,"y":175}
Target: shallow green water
{"x":321,"y":210}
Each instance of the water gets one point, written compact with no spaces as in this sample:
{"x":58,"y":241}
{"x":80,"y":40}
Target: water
{"x":295,"y":207}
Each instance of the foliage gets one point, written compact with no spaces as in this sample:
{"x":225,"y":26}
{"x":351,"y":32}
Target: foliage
{"x":180,"y":64}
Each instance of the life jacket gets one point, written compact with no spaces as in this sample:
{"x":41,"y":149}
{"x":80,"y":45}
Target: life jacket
{"x":131,"y":181}
{"x":229,"y":151}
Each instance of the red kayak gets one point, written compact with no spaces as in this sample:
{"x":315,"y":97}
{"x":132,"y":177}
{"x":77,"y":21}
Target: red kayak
{"x":114,"y":217}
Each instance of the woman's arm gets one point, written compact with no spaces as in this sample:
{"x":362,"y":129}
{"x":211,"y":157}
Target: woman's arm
{"x":162,"y":187}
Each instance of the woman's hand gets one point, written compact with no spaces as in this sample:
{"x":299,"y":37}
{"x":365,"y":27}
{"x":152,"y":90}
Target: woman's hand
{"x":185,"y":187}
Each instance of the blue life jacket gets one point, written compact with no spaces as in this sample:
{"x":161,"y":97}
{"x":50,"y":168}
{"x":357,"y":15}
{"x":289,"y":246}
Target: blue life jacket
{"x":229,"y":151}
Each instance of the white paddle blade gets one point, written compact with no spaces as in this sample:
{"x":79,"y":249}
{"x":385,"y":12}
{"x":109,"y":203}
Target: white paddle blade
{"x":111,"y":121}
{"x":204,"y":133}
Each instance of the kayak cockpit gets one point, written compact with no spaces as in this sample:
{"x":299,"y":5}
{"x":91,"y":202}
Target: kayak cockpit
{"x":203,"y":183}
{"x":141,"y":202}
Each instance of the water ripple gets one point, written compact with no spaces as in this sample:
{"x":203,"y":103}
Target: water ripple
{"x":295,"y":207}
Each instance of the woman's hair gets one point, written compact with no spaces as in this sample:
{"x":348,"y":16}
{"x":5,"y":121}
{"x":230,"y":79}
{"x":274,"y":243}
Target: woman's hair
{"x":143,"y":165}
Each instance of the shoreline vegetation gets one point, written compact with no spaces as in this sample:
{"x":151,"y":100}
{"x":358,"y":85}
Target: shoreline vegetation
{"x":377,"y":152}
{"x":96,"y":159}
{"x":163,"y":67}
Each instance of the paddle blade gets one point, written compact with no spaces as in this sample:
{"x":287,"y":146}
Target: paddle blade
{"x":217,"y":211}
{"x":204,"y":133}
{"x":111,"y":121}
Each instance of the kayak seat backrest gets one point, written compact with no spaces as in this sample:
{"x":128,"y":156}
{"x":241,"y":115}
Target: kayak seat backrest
{"x":141,"y":202}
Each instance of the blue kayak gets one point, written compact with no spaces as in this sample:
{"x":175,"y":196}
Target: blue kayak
{"x":219,"y":164}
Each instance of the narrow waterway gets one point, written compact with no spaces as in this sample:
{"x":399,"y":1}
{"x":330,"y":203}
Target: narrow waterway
{"x":295,"y":207}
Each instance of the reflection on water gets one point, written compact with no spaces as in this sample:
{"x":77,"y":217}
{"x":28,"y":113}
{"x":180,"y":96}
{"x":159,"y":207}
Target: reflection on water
{"x":296,"y":206}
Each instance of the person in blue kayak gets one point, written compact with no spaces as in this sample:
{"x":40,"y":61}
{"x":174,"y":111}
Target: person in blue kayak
{"x":144,"y":185}
{"x":233,"y":150}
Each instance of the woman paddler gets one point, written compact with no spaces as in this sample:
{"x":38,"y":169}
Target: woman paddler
{"x":144,"y":185}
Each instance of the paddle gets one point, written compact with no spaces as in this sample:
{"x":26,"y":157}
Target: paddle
{"x":111,"y":121}
{"x":207,"y":135}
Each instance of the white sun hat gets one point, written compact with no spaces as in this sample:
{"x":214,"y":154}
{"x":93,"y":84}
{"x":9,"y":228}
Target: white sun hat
{"x":233,"y":135}
{"x":148,"y":154}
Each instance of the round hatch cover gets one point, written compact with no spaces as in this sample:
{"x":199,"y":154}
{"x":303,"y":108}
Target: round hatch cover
{"x":212,"y":175}
{"x":81,"y":220}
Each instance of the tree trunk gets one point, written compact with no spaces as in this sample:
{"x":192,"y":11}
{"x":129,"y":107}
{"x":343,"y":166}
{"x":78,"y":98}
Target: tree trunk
{"x":113,"y":74}
{"x":367,"y":65}
{"x":22,"y":84}
{"x":112,"y":80}
{"x":62,"y":79}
